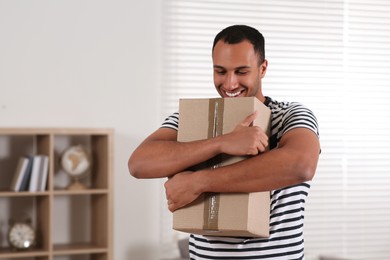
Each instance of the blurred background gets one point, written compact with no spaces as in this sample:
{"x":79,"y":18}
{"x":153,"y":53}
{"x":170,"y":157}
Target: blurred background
{"x":124,"y":65}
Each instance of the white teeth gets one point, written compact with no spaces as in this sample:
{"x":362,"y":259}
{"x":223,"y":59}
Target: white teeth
{"x":233,"y":94}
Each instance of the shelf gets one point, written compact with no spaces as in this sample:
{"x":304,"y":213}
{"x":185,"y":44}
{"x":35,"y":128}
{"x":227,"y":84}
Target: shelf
{"x":70,"y":224}
{"x":10,"y":253}
{"x":22,"y":193}
{"x":58,"y":250}
{"x":80,"y":192}
{"x":57,"y":131}
{"x":77,"y":249}
{"x":55,"y":192}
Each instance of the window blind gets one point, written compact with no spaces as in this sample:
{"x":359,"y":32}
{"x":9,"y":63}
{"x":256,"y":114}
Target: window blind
{"x":334,"y":57}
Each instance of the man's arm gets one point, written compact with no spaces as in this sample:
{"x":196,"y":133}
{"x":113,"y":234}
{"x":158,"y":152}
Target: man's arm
{"x":160,"y":155}
{"x":293,"y":162}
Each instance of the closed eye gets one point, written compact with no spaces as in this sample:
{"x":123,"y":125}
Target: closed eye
{"x":220,"y":72}
{"x":241,"y":72}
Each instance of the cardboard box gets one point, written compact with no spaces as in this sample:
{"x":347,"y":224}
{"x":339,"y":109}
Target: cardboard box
{"x":222,"y":214}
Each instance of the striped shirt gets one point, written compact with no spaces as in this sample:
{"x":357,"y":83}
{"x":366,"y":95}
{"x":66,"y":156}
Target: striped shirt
{"x":287,"y":204}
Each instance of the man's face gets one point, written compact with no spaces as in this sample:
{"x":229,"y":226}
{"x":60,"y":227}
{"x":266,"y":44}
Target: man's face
{"x":236,"y":70}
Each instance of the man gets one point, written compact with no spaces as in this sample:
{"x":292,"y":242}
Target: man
{"x":285,"y":170}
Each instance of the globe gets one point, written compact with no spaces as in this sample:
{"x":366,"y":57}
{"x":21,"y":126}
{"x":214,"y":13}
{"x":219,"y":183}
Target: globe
{"x":76,"y":161}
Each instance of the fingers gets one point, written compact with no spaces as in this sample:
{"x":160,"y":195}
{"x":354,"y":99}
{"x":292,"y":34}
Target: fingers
{"x":180,"y":190}
{"x":260,"y":142}
{"x":171,"y":206}
{"x":263,"y":142}
{"x":171,"y":202}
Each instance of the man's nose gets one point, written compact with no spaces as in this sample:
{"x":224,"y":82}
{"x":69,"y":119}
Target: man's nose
{"x":231,"y":81}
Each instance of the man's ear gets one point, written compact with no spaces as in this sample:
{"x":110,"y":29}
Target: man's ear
{"x":263,"y":68}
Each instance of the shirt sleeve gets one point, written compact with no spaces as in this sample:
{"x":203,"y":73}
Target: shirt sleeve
{"x":299,"y":116}
{"x":171,"y":121}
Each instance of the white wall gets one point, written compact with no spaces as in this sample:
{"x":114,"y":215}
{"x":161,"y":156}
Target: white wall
{"x":89,"y":63}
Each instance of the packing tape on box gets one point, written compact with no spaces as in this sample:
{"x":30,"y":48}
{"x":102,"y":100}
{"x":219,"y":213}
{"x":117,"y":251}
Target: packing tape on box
{"x":216,"y":107}
{"x":215,"y":128}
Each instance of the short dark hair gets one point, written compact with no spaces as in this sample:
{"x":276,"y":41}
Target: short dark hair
{"x":239,"y":33}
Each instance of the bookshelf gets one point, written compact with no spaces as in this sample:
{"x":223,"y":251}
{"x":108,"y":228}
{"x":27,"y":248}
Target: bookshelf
{"x":69,"y":224}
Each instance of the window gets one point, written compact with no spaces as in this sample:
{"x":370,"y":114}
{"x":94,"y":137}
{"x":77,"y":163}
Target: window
{"x":331,"y":55}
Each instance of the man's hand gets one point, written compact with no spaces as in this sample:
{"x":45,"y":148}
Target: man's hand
{"x":245,"y":139}
{"x":181,"y":190}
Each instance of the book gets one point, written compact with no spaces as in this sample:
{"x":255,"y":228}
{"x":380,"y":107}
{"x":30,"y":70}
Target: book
{"x":43,"y":171}
{"x":26,"y":175}
{"x":19,"y":173}
{"x":35,"y":171}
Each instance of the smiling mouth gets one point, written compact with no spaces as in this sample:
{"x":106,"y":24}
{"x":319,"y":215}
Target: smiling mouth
{"x":234,"y":94}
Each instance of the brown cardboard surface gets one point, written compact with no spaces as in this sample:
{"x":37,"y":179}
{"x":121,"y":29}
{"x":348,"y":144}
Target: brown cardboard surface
{"x":227,"y":214}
